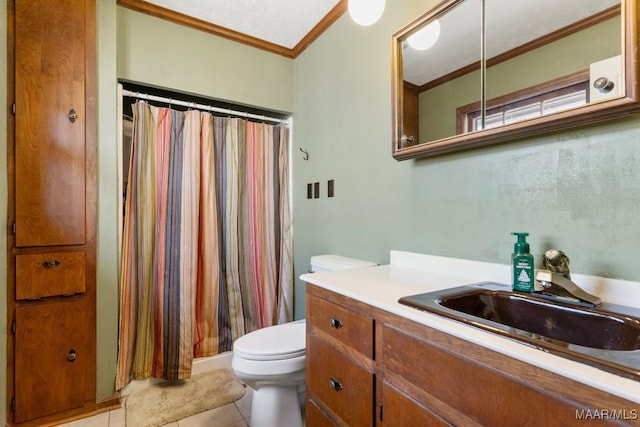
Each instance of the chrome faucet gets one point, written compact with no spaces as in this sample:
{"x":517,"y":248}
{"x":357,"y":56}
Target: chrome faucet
{"x":556,"y":280}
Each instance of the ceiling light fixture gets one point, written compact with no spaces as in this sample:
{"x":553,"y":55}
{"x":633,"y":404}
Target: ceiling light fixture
{"x":366,"y":12}
{"x":425,"y":37}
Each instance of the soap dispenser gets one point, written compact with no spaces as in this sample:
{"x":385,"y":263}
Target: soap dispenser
{"x":522,"y":265}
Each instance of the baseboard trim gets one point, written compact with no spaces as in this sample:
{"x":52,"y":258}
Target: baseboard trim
{"x":108,"y":404}
{"x":103,"y":405}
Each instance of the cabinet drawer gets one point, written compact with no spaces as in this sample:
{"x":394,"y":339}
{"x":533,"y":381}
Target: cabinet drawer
{"x":351,"y":329}
{"x":49,"y":274}
{"x":340,"y":383}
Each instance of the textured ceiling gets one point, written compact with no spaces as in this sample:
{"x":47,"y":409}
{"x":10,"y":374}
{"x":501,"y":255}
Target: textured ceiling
{"x":282,"y":22}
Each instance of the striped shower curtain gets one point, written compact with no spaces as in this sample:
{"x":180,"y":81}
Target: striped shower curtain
{"x":207,"y":239}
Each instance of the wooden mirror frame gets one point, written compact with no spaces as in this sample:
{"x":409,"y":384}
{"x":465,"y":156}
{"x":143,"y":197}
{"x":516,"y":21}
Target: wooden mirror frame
{"x":590,"y":113}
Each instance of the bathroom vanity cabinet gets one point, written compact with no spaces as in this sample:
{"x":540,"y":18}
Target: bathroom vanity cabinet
{"x":393,"y":371}
{"x":340,"y":363}
{"x":51,"y":278}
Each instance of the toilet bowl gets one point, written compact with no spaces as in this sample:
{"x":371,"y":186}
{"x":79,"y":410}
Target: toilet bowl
{"x":272,"y":361}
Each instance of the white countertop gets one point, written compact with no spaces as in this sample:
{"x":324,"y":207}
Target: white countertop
{"x":410,"y":274}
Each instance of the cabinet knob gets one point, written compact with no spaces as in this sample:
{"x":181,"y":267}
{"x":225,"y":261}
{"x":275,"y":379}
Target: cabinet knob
{"x":603,"y":84}
{"x":335,"y":384}
{"x":335,"y":323}
{"x":406,"y":139}
{"x":73,"y":116}
{"x":72,"y":355}
{"x":50,"y":264}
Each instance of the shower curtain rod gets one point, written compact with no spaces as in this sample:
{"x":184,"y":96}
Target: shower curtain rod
{"x":195,"y":105}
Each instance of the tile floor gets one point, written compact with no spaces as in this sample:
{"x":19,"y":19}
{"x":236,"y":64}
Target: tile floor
{"x":236,"y":414}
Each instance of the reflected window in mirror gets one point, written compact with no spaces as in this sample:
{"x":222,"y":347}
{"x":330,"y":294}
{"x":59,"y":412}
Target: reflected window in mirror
{"x":516,"y":73}
{"x":592,"y":34}
{"x":548,"y":98}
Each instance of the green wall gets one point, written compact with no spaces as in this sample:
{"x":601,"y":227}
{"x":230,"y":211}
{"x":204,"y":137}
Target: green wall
{"x":438,"y":107}
{"x":107,"y":181}
{"x":160,"y":53}
{"x":575,"y":190}
{"x":568,"y":55}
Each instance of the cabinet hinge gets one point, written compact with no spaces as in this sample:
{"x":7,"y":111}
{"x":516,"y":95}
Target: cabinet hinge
{"x":380,"y":412}
{"x":13,"y":404}
{"x":13,"y":109}
{"x":13,"y":327}
{"x":13,"y":228}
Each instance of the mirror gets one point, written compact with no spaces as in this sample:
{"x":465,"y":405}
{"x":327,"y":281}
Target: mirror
{"x":489,"y":71}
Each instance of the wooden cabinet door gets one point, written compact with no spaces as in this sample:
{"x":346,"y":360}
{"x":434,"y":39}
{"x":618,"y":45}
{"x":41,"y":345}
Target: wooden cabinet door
{"x":50,"y":139}
{"x":410,"y":113}
{"x":52,"y":359}
{"x":341,"y":384}
{"x":315,"y":417}
{"x":400,"y":410}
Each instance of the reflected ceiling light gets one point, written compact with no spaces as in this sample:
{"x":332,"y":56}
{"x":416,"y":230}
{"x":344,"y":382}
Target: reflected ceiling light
{"x":366,"y":12}
{"x":425,"y":37}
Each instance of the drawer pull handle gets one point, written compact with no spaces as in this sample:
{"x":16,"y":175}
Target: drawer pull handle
{"x":335,"y":323}
{"x":335,"y":384}
{"x":72,"y":355}
{"x":49,"y":264}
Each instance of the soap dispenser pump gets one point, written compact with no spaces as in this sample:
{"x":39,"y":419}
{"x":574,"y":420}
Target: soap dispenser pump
{"x":522,"y":265}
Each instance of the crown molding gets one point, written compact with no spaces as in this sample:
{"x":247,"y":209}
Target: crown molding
{"x":201,"y":25}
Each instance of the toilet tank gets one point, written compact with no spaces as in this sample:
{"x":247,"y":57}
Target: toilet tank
{"x":329,"y":262}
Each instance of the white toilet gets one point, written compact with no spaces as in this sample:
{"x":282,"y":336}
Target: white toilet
{"x":272,"y":360}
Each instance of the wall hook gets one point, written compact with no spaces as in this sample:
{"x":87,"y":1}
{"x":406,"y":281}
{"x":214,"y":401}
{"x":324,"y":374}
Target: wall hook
{"x":306,"y":154}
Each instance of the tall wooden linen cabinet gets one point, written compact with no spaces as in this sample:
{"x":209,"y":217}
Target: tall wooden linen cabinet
{"x":51,"y":283}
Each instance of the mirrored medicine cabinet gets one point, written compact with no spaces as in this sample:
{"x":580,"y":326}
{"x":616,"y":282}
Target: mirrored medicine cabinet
{"x":470,"y":73}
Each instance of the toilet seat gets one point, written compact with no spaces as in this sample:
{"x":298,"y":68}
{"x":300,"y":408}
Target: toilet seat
{"x":279,"y":342}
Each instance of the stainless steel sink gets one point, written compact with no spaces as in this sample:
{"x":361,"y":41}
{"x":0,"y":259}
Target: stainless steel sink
{"x":607,"y":337}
